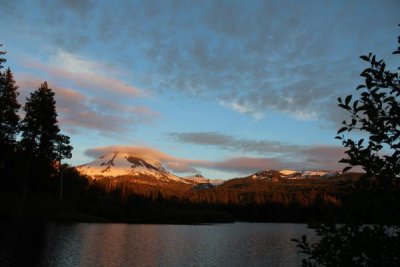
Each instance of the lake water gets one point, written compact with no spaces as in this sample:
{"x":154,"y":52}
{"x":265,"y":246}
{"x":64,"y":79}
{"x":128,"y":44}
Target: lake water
{"x":93,"y":244}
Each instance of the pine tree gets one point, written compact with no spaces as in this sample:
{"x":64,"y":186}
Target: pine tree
{"x":9,"y":107}
{"x":40,"y":133}
{"x":64,"y":150}
{"x":2,"y":60}
{"x":9,"y":118}
{"x":39,"y":127}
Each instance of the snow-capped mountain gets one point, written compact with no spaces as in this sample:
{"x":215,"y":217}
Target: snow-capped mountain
{"x":199,"y":179}
{"x":292,"y":174}
{"x":307,"y":174}
{"x":125,"y":164}
{"x":143,"y":169}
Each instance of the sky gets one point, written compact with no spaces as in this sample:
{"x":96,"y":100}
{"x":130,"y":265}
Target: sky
{"x":221,"y":88}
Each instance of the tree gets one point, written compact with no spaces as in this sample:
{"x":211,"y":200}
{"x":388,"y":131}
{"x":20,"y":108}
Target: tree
{"x":9,"y":119}
{"x":2,"y":60}
{"x":9,"y":107}
{"x":375,"y":114}
{"x":39,"y":127}
{"x":40,"y":132}
{"x":64,"y":150}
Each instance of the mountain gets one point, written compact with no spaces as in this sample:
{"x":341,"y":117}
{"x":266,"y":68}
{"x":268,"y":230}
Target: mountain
{"x":196,"y":179}
{"x":147,"y":170}
{"x":273,"y":175}
{"x":200,"y":182}
{"x":124,"y":164}
{"x":291,"y":174}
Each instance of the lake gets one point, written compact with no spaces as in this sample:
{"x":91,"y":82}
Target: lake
{"x":94,"y":244}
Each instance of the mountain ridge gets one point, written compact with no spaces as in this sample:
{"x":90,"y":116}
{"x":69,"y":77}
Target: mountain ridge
{"x":125,"y":164}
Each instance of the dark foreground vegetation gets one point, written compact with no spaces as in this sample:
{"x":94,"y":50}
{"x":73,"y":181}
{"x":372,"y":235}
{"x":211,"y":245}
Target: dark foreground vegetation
{"x":244,"y":199}
{"x":375,"y":115}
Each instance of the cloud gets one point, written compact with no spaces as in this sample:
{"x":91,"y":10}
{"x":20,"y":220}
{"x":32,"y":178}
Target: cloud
{"x":249,"y":165}
{"x":242,"y":108}
{"x":279,"y":155}
{"x":84,"y":73}
{"x":78,"y":111}
{"x":232,"y":143}
{"x":181,"y":167}
{"x":256,"y":56}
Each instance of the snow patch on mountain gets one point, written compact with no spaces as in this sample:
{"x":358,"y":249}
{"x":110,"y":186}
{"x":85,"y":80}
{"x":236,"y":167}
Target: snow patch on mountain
{"x":119,"y":164}
{"x":287,"y":172}
{"x":199,"y":179}
{"x":305,"y":174}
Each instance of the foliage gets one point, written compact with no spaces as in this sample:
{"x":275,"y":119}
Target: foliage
{"x":39,"y":127}
{"x":40,"y":146}
{"x":2,"y":60}
{"x":9,"y":119}
{"x":63,"y":147}
{"x":352,"y":245}
{"x":9,"y":107}
{"x":375,"y":113}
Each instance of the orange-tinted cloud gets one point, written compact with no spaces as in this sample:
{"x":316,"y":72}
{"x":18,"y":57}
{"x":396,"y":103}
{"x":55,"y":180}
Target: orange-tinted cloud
{"x":84,"y":73}
{"x":77,"y":110}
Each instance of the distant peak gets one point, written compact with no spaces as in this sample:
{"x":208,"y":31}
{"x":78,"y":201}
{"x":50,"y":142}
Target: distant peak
{"x":127,"y":164}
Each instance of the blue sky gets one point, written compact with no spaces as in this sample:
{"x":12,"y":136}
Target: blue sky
{"x":224,"y":88}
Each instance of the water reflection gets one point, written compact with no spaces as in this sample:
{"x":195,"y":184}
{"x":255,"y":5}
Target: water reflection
{"x":239,"y":244}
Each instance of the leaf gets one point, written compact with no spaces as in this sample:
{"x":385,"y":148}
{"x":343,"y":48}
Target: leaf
{"x":396,"y":52}
{"x":365,"y":58}
{"x":365,"y":74}
{"x":347,"y":168}
{"x":341,"y":130}
{"x":360,"y":86}
{"x":375,"y":138}
{"x":360,"y":142}
{"x":348,"y":99}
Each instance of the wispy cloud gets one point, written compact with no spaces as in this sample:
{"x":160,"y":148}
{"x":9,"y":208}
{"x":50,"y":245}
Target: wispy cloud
{"x":84,"y":73}
{"x":79,"y":111}
{"x":229,"y":142}
{"x":243,"y":108}
{"x":254,"y":57}
{"x":275,"y":154}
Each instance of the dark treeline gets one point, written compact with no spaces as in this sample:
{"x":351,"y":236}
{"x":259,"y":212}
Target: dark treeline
{"x":311,"y":200}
